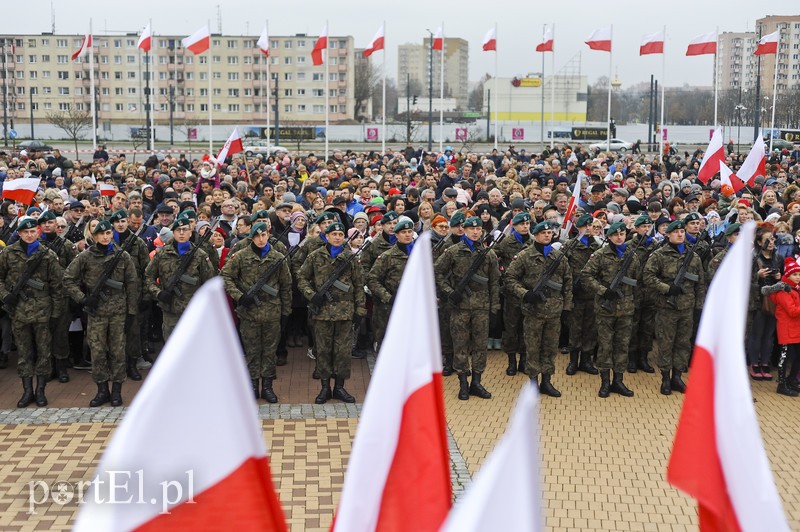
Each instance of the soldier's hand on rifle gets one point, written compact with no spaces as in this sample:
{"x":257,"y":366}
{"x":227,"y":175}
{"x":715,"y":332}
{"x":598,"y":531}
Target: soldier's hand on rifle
{"x":611,"y":295}
{"x":675,"y":290}
{"x":165,"y":297}
{"x":246,"y":300}
{"x":454,"y":298}
{"x":532,"y":296}
{"x":317,"y":300}
{"x":88,"y":302}
{"x":10,"y":300}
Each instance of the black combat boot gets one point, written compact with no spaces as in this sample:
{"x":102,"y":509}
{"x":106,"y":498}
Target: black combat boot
{"x":447,"y":370}
{"x":477,"y":389}
{"x":511,"y":370}
{"x":463,"y":390}
{"x":605,"y":385}
{"x":103,"y":396}
{"x":523,"y":360}
{"x":586,"y":364}
{"x":61,"y":369}
{"x":254,"y":385}
{"x":27,"y":392}
{"x":546,"y":387}
{"x":666,"y":389}
{"x":315,"y":374}
{"x":324,"y":393}
{"x":3,"y":360}
{"x":644,"y":365}
{"x":676,"y":383}
{"x":572,"y":367}
{"x":133,"y":373}
{"x":783,"y":387}
{"x":266,"y":390}
{"x":618,"y":386}
{"x":41,"y":381}
{"x":340,"y":393}
{"x":116,"y":394}
{"x":633,"y":361}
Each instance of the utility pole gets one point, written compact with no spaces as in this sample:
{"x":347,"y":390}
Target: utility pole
{"x":650,"y":117}
{"x":408,"y":106}
{"x":489,"y":113}
{"x":757,"y":106}
{"x":430,"y":97}
{"x":147,"y":97}
{"x":5,"y":96}
{"x":174,"y":47}
{"x":655,"y":116}
{"x":277,"y":114}
{"x":30,"y":95}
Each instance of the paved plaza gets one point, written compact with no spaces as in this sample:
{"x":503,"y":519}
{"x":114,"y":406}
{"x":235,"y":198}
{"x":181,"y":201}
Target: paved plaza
{"x":604,"y":461}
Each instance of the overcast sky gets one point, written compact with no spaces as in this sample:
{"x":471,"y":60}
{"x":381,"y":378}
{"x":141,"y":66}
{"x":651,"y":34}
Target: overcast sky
{"x":519,"y":24}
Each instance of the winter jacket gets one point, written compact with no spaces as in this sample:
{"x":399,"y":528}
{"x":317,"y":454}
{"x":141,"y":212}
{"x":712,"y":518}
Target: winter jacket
{"x":787,"y":312}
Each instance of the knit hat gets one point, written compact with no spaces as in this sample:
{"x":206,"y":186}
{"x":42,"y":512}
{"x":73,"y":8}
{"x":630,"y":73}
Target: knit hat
{"x":790,"y":266}
{"x":360,"y":216}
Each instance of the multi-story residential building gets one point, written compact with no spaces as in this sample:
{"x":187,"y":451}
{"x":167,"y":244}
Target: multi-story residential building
{"x":413,"y":62}
{"x":788,"y":53}
{"x":737,"y":65}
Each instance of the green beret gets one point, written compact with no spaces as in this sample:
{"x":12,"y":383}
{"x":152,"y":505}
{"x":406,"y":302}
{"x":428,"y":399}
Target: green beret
{"x":473,"y":221}
{"x":27,"y":222}
{"x":188,"y":213}
{"x":102,"y":227}
{"x":676,"y":224}
{"x":180,"y":221}
{"x":264,"y":214}
{"x":119,"y":215}
{"x":691,"y":217}
{"x":552,"y":225}
{"x":324,"y":217}
{"x":258,"y":229}
{"x":404,"y":222}
{"x":335,"y":226}
{"x":732,"y":229}
{"x":583,"y":220}
{"x":457,"y":218}
{"x":389,"y":217}
{"x":541,"y":226}
{"x":642,"y":220}
{"x":617,"y":227}
{"x":521,"y":218}
{"x":46,"y":216}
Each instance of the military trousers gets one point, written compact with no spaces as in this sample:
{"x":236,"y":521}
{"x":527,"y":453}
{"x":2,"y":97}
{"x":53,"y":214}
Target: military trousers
{"x":582,"y":326}
{"x":333,"y":347}
{"x":643,"y":329}
{"x":59,"y":331}
{"x":541,"y":342}
{"x":613,"y":339}
{"x":513,"y":339}
{"x":133,"y":339}
{"x":259,"y":340}
{"x":34,"y":344}
{"x":380,"y":319}
{"x":106,"y":338}
{"x":673,"y":328}
{"x":444,"y":330}
{"x":469,"y":330}
{"x":168,"y":323}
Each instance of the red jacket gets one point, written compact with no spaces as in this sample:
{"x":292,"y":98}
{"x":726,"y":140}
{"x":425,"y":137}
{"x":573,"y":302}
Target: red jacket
{"x":787,"y":312}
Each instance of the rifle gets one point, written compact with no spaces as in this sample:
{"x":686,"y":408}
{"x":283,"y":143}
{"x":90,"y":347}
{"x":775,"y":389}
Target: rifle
{"x":610,"y":305}
{"x":544,"y":280}
{"x":26,"y":278}
{"x":262,"y":286}
{"x":8,"y":229}
{"x":171,"y":287}
{"x":439,"y":244}
{"x":333,"y":280}
{"x":683,"y":273}
{"x":472,"y":272}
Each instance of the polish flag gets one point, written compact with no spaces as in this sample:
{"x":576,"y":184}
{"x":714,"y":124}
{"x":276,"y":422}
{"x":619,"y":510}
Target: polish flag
{"x":490,"y":41}
{"x":755,"y":164}
{"x":652,"y":44}
{"x":768,"y":44}
{"x":232,"y":146}
{"x":85,"y":45}
{"x":319,"y":46}
{"x":376,"y":44}
{"x":21,"y":189}
{"x":438,"y":39}
{"x":510,"y":473}
{"x":715,"y":154}
{"x":189,"y":456}
{"x":263,"y":42}
{"x":107,"y":189}
{"x":199,"y":41}
{"x":600,"y":40}
{"x":145,"y":39}
{"x":703,"y":44}
{"x":726,"y":176}
{"x":718,"y":456}
{"x":398,"y":477}
{"x":547,"y":42}
{"x":572,"y":206}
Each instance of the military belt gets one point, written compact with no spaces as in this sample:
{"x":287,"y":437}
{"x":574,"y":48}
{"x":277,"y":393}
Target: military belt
{"x":36,"y":285}
{"x":553,"y":285}
{"x":341,"y":286}
{"x":114,"y":285}
{"x":628,"y":281}
{"x":188,"y":279}
{"x":692,"y":277}
{"x":267,"y":289}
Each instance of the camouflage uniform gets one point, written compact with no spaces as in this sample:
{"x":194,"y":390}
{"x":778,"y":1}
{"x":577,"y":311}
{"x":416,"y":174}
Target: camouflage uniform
{"x":513,"y":339}
{"x":105,"y":330}
{"x":141,"y":258}
{"x":30,"y":318}
{"x":644,"y":315}
{"x":161,"y":269}
{"x":582,"y":325}
{"x":209,"y":250}
{"x":306,"y":248}
{"x":244,"y":243}
{"x":59,"y":330}
{"x":379,"y":245}
{"x":383,"y":281}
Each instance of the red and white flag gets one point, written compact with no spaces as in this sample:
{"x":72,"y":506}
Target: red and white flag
{"x":320,"y":46}
{"x":186,"y":456}
{"x":755,"y":164}
{"x":600,"y":40}
{"x":510,"y":473}
{"x":145,"y":39}
{"x":490,"y":40}
{"x":547,"y":41}
{"x":232,"y":146}
{"x":652,"y":44}
{"x":398,"y":476}
{"x":727,"y":177}
{"x":377,"y":42}
{"x":22,"y":189}
{"x":768,"y":44}
{"x":438,"y":39}
{"x":703,"y":44}
{"x":718,"y":456}
{"x":572,"y":206}
{"x":86,"y":43}
{"x":263,"y":42}
{"x":107,"y":189}
{"x":198,"y":42}
{"x":714,"y":155}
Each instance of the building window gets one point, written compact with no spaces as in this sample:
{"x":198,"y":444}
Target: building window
{"x":131,"y":59}
{"x":317,"y":93}
{"x":61,"y":43}
{"x":287,"y":108}
{"x":233,"y":108}
{"x":117,"y":59}
{"x":287,"y":43}
{"x":287,"y":76}
{"x":231,"y":43}
{"x":317,"y":76}
{"x":301,"y":76}
{"x":217,"y":92}
{"x":131,"y":91}
{"x":203,"y":107}
{"x":62,"y":59}
{"x":318,"y":109}
{"x":301,"y":92}
{"x":63,"y":106}
{"x":63,"y":91}
{"x":216,"y":59}
{"x":233,"y":93}
{"x":287,"y":92}
{"x":287,"y":60}
{"x":63,"y":74}
{"x":215,"y":43}
{"x":233,"y":76}
{"x":301,"y":59}
{"x":131,"y":75}
{"x":301,"y":108}
{"x":233,"y":60}
{"x":218,"y":107}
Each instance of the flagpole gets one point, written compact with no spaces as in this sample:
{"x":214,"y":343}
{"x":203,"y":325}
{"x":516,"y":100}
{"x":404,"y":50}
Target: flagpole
{"x":441,"y":96}
{"x":91,"y":85}
{"x":775,"y":88}
{"x":610,"y":62}
{"x":552,"y":83}
{"x":541,"y":125}
{"x":210,"y":107}
{"x":495,"y":77}
{"x":265,"y":72}
{"x":716,"y":78}
{"x":663,"y":91}
{"x":383,"y":106}
{"x":150,"y":96}
{"x":327,"y":80}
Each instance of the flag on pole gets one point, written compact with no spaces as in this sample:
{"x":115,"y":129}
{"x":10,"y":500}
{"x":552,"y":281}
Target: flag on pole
{"x":198,"y":42}
{"x":398,"y":476}
{"x":232,"y":146}
{"x":510,"y":473}
{"x":145,"y":39}
{"x":21,"y":189}
{"x":376,"y":44}
{"x":755,"y":164}
{"x":547,"y":42}
{"x":652,"y":44}
{"x":319,"y":46}
{"x":205,"y":442}
{"x":438,"y":39}
{"x":714,"y":155}
{"x":726,"y":177}
{"x":490,"y":40}
{"x":600,"y":40}
{"x":263,"y":42}
{"x":86,"y":43}
{"x":107,"y":189}
{"x":572,"y":206}
{"x":768,"y":44}
{"x":718,"y":456}
{"x":703,"y":44}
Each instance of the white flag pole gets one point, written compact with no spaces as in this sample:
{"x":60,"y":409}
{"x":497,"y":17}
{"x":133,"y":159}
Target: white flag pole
{"x":441,"y":93}
{"x":383,"y":105}
{"x":716,"y":78}
{"x":663,"y":91}
{"x":541,"y":125}
{"x":610,"y":62}
{"x":265,"y":74}
{"x":495,"y":77}
{"x":91,"y":88}
{"x":327,"y":80}
{"x":775,"y":89}
{"x":552,"y":83}
{"x":151,"y":69}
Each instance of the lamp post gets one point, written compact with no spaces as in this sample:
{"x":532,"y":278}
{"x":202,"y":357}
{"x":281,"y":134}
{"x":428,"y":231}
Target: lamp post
{"x":739,"y":108}
{"x":430,"y":94}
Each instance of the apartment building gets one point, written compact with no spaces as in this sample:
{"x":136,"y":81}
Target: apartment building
{"x":413,"y":62}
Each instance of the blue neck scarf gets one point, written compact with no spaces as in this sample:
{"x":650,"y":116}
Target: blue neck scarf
{"x":585,"y":240}
{"x":406,"y":248}
{"x":322,"y":236}
{"x":648,"y":240}
{"x":517,"y":236}
{"x":620,"y":249}
{"x":265,"y":250}
{"x":183,"y":247}
{"x":691,"y":239}
{"x":31,"y":248}
{"x":681,"y":248}
{"x":547,"y":249}
{"x":391,"y":239}
{"x":335,"y":250}
{"x":470,"y":244}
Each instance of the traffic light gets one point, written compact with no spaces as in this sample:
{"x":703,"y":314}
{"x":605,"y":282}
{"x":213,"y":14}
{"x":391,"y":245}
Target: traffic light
{"x":414,"y":101}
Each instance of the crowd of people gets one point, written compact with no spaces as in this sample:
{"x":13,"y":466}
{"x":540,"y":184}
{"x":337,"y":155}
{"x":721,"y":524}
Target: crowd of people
{"x":312,"y":251}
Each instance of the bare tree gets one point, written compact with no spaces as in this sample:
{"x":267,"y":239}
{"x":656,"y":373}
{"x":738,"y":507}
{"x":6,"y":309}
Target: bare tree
{"x":366,"y":77}
{"x":138,"y":139}
{"x":472,"y":136}
{"x":73,"y":122}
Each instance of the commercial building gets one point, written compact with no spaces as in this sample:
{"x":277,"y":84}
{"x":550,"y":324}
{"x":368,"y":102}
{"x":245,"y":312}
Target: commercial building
{"x":520,"y":99}
{"x":414,"y":62}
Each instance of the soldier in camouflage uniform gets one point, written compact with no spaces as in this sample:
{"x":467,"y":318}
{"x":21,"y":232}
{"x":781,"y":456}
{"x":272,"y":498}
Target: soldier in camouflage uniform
{"x":111,"y":314}
{"x":456,"y":224}
{"x":613,"y":308}
{"x":165,"y":263}
{"x":33,"y":309}
{"x":332,"y":316}
{"x":674,"y":344}
{"x":694,"y":237}
{"x":644,"y":315}
{"x":261,"y":216}
{"x":470,"y":308}
{"x":206,"y":246}
{"x":141,"y":257}
{"x":513,"y":341}
{"x":731,"y":234}
{"x":582,"y":326}
{"x":381,"y":244}
{"x":541,"y":309}
{"x":261,"y":316}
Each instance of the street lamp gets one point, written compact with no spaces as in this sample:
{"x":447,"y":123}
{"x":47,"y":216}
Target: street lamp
{"x":739,"y":108}
{"x":430,"y":94}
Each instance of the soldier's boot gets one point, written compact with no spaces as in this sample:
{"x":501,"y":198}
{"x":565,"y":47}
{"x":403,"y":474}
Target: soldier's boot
{"x":605,"y":384}
{"x":133,"y":373}
{"x":666,"y":388}
{"x":116,"y":394}
{"x":586,"y":364}
{"x":3,"y":360}
{"x":325,"y":393}
{"x":511,"y":370}
{"x":618,"y":386}
{"x":447,"y":370}
{"x":783,"y":387}
{"x":477,"y":389}
{"x":281,"y":360}
{"x":340,"y":393}
{"x":644,"y":365}
{"x":633,"y":361}
{"x":463,"y":386}
{"x":267,"y":393}
{"x":254,"y":384}
{"x":547,"y":388}
{"x":41,"y":382}
{"x":27,"y":392}
{"x":61,"y":369}
{"x":572,"y":367}
{"x":523,"y":360}
{"x":103,"y":395}
{"x":676,"y":383}
{"x":315,"y":374}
